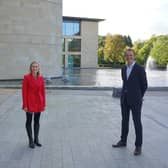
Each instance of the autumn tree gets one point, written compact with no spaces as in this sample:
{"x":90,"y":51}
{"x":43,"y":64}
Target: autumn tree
{"x":114,"y":48}
{"x":101,"y":43}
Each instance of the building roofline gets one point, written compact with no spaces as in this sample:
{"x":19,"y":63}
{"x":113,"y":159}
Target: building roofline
{"x":67,"y":18}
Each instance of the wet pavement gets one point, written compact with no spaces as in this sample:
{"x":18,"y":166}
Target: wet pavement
{"x":99,"y":78}
{"x":77,"y":130}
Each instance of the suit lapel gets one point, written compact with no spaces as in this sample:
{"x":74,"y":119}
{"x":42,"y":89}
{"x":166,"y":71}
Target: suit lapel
{"x":125,"y":73}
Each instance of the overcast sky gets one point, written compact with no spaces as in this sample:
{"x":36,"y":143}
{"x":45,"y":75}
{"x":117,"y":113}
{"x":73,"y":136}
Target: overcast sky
{"x":138,"y":18}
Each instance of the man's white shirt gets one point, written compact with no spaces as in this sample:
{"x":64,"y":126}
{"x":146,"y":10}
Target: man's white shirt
{"x":129,"y":69}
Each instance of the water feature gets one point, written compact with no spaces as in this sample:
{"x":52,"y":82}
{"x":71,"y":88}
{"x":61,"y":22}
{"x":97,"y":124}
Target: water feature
{"x":155,"y":76}
{"x":150,"y":63}
{"x":105,"y":77}
{"x":108,"y":77}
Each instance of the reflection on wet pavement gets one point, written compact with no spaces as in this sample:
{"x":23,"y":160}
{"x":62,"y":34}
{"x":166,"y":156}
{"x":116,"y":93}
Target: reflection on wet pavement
{"x":106,"y":77}
{"x":100,"y":77}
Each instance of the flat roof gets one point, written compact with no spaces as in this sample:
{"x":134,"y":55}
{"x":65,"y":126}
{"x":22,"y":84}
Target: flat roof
{"x":68,"y":18}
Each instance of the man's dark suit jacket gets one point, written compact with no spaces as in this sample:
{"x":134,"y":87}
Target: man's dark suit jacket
{"x":134,"y":88}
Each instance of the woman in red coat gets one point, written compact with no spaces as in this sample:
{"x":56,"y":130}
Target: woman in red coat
{"x":33,"y":96}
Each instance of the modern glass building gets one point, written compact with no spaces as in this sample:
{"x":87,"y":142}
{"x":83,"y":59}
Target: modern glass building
{"x":80,"y":42}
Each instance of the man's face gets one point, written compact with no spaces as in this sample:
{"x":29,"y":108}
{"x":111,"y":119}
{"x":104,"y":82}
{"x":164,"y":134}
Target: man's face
{"x":129,"y":57}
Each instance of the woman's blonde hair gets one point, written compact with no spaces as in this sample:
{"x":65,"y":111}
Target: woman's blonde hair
{"x":31,"y":64}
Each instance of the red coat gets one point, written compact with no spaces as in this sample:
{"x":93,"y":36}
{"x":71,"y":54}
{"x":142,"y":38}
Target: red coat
{"x":33,"y":93}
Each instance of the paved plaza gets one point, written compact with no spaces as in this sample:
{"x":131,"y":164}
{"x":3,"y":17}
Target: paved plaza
{"x":77,"y":130}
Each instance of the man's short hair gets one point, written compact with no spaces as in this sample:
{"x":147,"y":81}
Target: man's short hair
{"x":129,"y":49}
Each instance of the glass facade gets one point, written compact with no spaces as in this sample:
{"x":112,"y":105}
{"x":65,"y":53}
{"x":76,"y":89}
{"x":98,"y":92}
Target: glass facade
{"x":71,"y":28}
{"x":74,"y":45}
{"x":71,"y":43}
{"x":74,"y":61}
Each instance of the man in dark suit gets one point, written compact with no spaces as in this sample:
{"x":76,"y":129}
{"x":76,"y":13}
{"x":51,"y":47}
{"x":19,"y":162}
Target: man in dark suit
{"x":133,"y":90}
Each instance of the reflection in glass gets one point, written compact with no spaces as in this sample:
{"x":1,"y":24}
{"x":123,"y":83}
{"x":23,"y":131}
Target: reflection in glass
{"x":74,"y":61}
{"x":74,"y":45}
{"x":71,"y":28}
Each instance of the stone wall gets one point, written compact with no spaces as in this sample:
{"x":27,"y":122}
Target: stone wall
{"x":30,"y":30}
{"x":89,"y":33}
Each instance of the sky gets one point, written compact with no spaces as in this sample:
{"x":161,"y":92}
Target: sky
{"x":138,"y":18}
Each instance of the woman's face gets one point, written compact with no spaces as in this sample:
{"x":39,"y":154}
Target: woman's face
{"x":35,"y":68}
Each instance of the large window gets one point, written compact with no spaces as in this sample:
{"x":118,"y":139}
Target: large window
{"x":74,"y":45}
{"x":74,"y":61}
{"x":71,"y":46}
{"x":71,"y":28}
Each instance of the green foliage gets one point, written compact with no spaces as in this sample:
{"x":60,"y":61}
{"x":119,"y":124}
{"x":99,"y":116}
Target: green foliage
{"x":114,"y":48}
{"x":142,"y":50}
{"x":160,"y":50}
{"x":111,"y":49}
{"x":143,"y":54}
{"x":137,"y":46}
{"x":128,"y":41}
{"x":101,"y":42}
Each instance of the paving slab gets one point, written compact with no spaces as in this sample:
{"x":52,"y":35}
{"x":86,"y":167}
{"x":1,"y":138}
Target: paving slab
{"x":78,"y":129}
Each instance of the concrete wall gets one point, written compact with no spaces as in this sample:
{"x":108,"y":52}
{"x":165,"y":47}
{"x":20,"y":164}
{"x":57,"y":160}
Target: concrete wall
{"x":89,"y":44}
{"x":30,"y":30}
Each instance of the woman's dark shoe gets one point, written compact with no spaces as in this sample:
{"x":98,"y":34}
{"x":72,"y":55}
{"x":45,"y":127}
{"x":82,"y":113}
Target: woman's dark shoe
{"x":119,"y":144}
{"x":137,"y":151}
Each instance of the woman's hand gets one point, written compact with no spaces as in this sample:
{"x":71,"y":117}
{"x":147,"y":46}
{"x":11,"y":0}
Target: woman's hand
{"x":44,"y":109}
{"x":25,"y":109}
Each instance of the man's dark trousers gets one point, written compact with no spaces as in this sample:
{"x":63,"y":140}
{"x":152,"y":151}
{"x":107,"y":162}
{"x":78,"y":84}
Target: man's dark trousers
{"x":136,"y":115}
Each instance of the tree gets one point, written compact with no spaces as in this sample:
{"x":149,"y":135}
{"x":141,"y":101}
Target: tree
{"x":101,"y":43}
{"x":138,"y":45}
{"x":143,"y":49}
{"x":128,"y":41}
{"x":160,"y":50}
{"x":114,"y":48}
{"x":143,"y":53}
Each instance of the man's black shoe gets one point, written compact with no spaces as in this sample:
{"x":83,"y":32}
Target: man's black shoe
{"x":119,"y":145}
{"x":37,"y":143}
{"x":31,"y":145}
{"x":137,"y":151}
